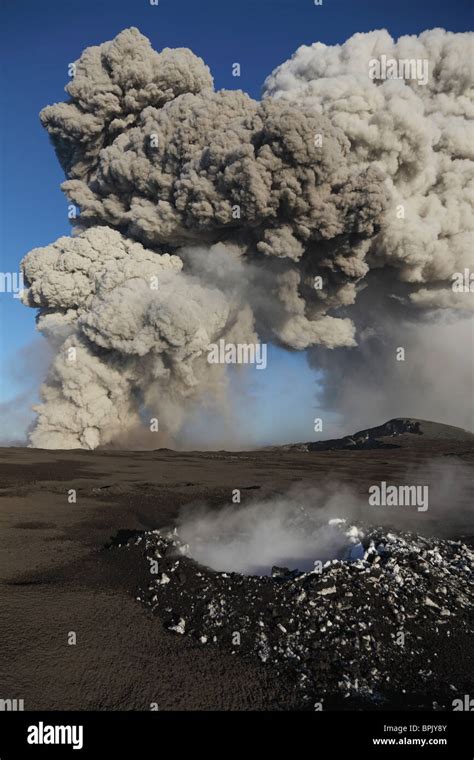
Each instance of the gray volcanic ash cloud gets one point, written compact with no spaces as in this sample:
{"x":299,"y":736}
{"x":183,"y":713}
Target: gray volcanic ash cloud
{"x":422,"y":137}
{"x":235,"y":206}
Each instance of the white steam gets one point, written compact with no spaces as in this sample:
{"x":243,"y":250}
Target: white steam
{"x":289,"y":531}
{"x":318,"y":524}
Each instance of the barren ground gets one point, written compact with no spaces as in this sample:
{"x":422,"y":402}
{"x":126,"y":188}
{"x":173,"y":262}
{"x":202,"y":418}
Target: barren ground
{"x":56,"y":576}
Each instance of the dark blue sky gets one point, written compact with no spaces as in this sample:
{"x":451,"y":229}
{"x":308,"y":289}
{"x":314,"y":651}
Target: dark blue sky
{"x":39,"y":39}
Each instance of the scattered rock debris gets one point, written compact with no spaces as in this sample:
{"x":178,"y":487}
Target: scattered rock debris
{"x":378,"y":630}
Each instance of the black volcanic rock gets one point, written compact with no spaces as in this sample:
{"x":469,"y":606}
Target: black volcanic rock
{"x":363,"y":633}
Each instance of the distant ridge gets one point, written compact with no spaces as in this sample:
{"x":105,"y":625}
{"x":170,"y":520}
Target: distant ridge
{"x":400,"y":432}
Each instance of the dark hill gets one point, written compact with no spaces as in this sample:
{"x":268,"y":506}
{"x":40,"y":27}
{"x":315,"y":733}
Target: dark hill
{"x":400,"y":432}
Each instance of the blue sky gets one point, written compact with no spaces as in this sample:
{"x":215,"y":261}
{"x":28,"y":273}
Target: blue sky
{"x":38,"y":41}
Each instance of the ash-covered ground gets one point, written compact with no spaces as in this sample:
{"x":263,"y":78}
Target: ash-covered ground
{"x":79,"y":566}
{"x":380,"y":627}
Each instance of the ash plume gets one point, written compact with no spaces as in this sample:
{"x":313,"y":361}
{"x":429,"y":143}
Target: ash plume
{"x":421,"y":135}
{"x":234,"y":207}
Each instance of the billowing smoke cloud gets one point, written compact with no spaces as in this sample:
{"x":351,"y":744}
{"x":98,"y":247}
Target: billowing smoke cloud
{"x":420,"y":135}
{"x":423,"y":138}
{"x":208,"y":215}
